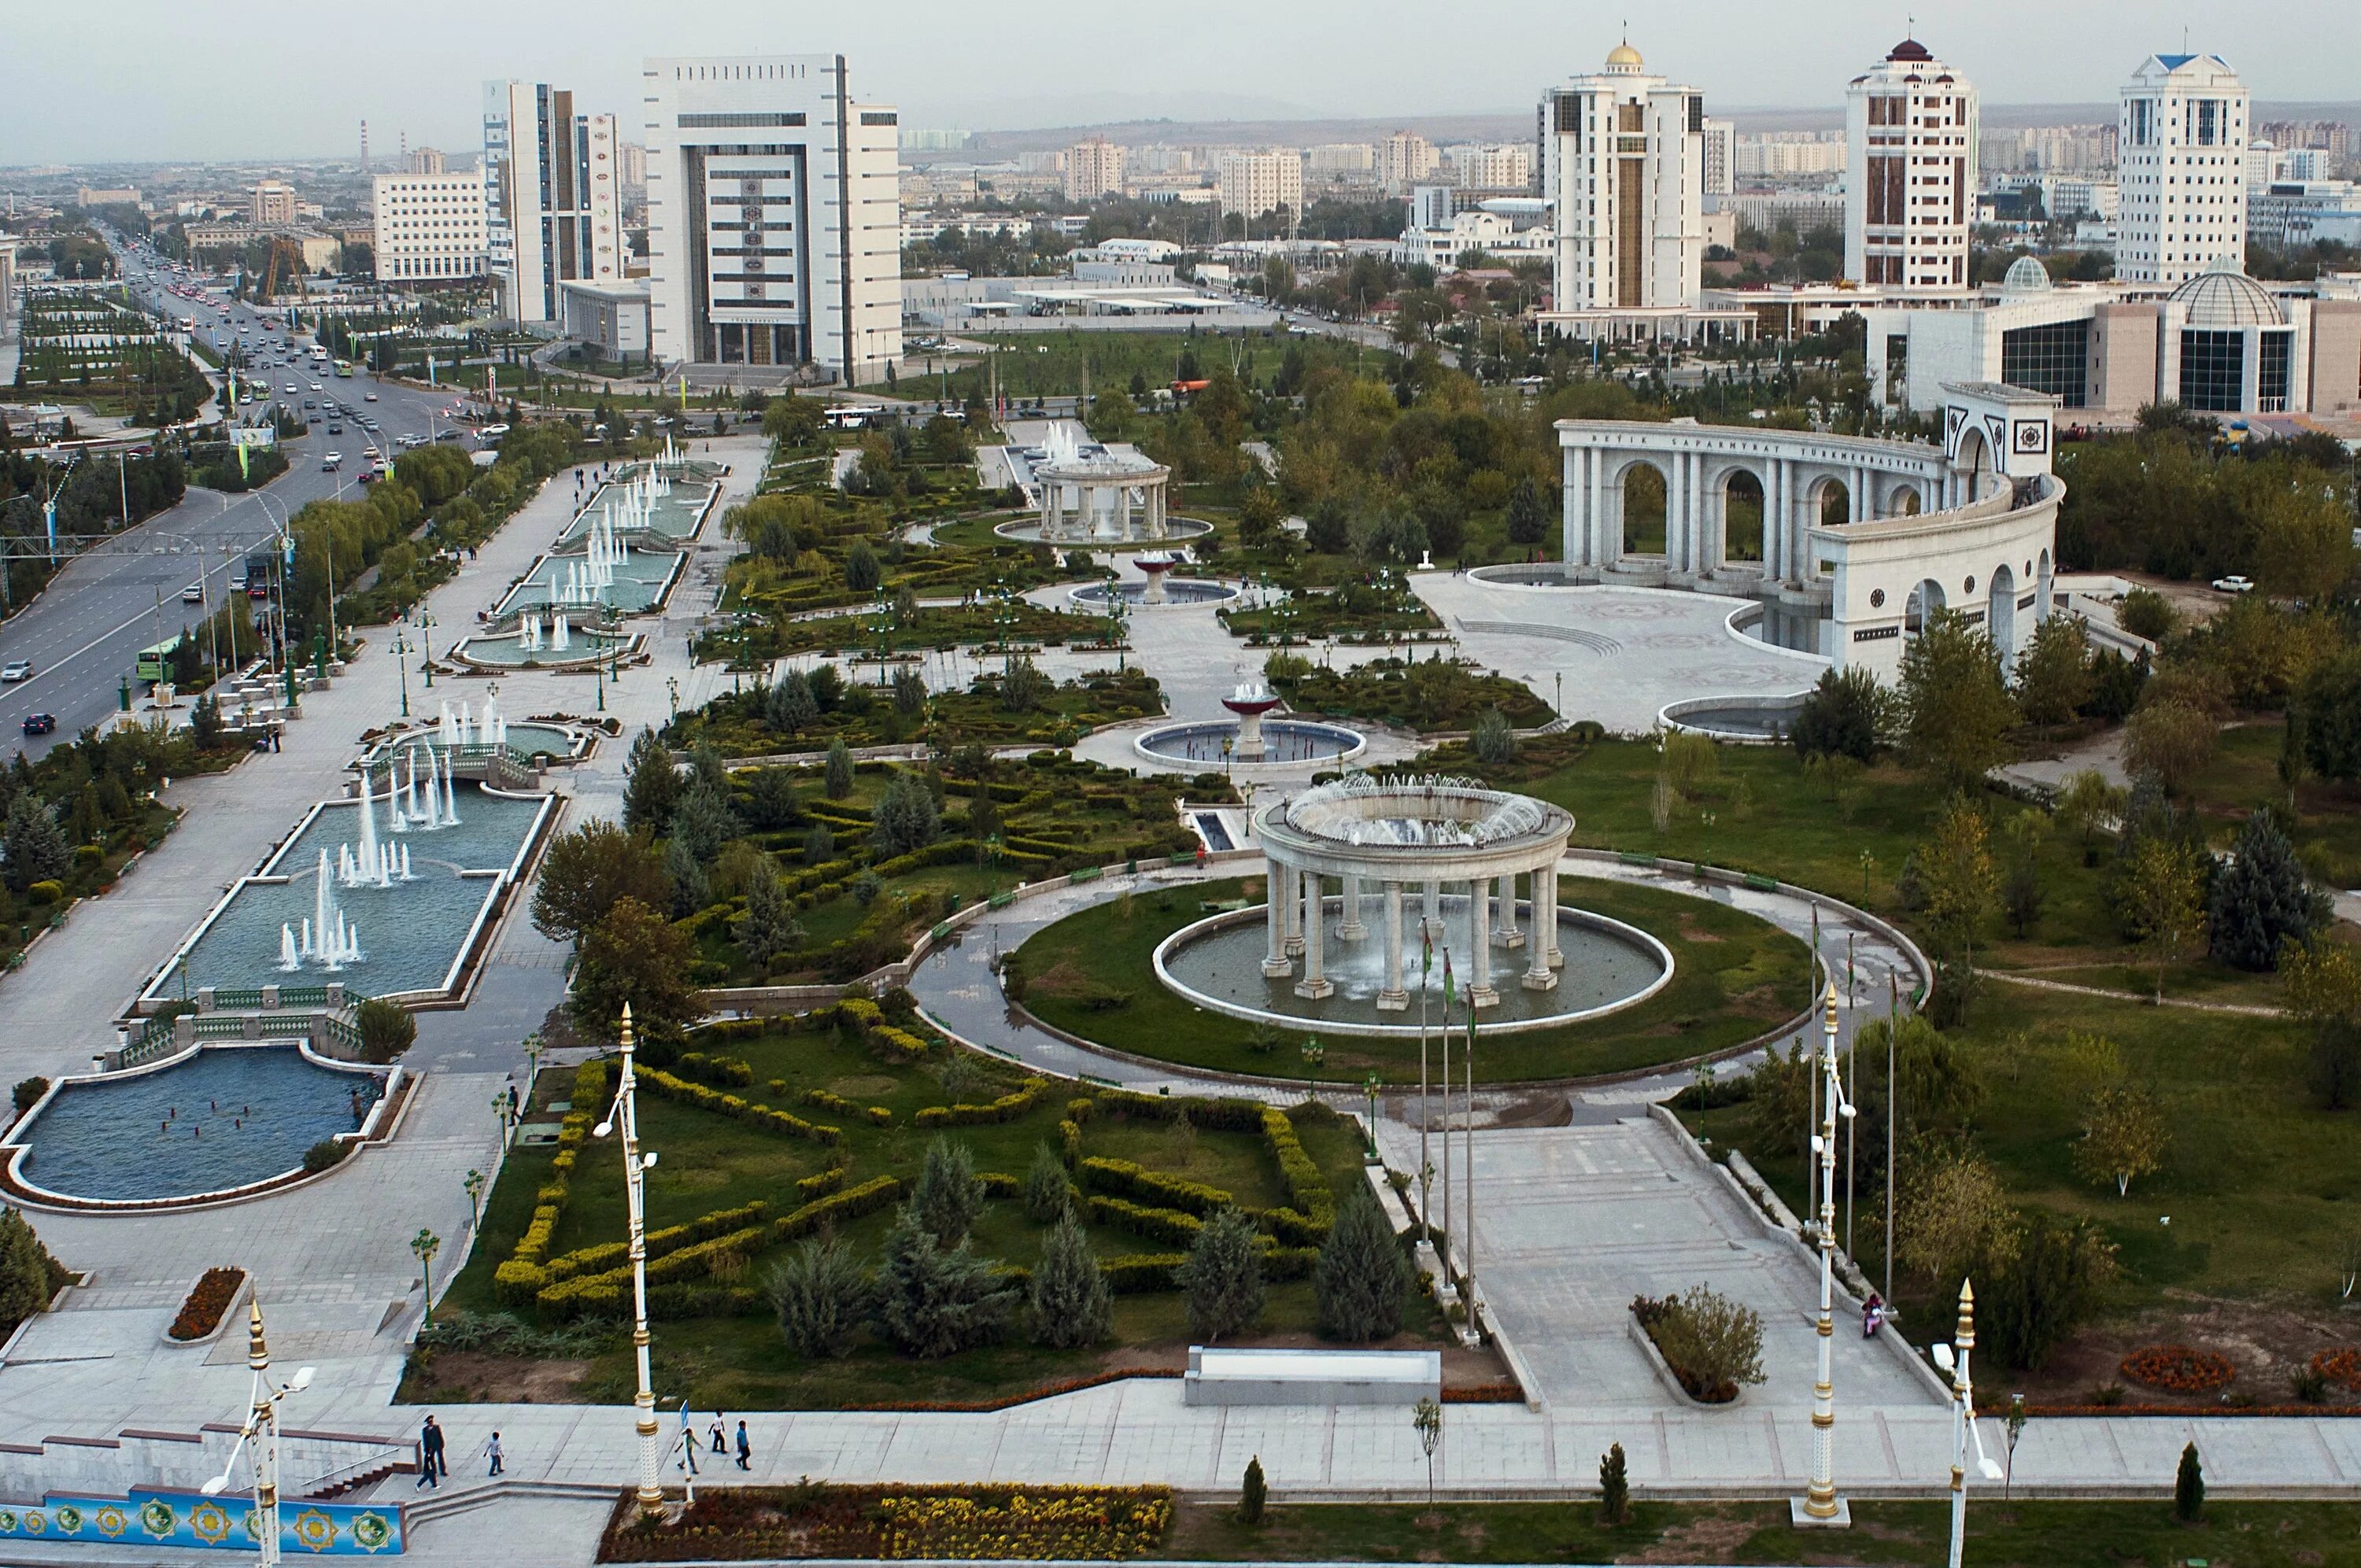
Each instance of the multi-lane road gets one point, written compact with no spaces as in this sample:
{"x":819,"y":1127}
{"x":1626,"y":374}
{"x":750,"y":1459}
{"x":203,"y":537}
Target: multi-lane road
{"x":81,"y":634}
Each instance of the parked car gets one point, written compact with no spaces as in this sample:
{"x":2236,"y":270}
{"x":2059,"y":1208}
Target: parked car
{"x":16,"y":670}
{"x":40,"y":723}
{"x":2234,"y":585}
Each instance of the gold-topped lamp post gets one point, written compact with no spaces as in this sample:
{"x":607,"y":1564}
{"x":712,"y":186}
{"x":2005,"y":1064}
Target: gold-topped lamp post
{"x":1820,"y":1506}
{"x":1953,"y":1359}
{"x":261,"y":1429}
{"x":624,"y":1114}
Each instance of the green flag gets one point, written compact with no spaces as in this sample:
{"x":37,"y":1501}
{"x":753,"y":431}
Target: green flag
{"x":1449,"y":994}
{"x":241,"y":457}
{"x":1425,"y":954}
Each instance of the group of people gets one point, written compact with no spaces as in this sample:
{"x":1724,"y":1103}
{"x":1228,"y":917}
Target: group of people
{"x":718,"y":1436}
{"x":434,"y":1463}
{"x":433,"y":1456}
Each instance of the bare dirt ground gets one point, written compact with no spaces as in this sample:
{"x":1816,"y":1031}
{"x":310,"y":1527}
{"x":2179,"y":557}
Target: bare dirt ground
{"x":2268,"y":1343}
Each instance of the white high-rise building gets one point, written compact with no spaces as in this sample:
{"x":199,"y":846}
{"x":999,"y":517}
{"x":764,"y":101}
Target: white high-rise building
{"x":1506,"y":167}
{"x":428,"y":228}
{"x":1910,"y":168}
{"x":552,"y":189}
{"x":773,"y":215}
{"x":2181,"y":152}
{"x":1624,"y":162}
{"x":1093,"y":168}
{"x":1720,"y":157}
{"x":1257,"y":183}
{"x":1406,"y":158}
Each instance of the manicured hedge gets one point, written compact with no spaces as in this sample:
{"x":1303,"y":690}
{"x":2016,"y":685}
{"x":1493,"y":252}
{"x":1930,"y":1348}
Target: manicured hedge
{"x":1127,"y":1178}
{"x":1007,"y":1108}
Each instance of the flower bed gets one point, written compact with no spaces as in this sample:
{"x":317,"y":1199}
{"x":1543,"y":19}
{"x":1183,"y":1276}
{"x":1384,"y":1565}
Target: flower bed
{"x":2179,"y":1369}
{"x":214,"y":1294}
{"x":969,"y":1523}
{"x":1485,"y":1394}
{"x":2341,"y":1367}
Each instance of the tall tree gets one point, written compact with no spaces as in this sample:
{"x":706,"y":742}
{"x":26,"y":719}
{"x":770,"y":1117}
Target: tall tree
{"x":37,"y":850}
{"x":948,"y":1196}
{"x":2163,"y":891}
{"x":1961,"y":881}
{"x":906,"y":817}
{"x":1361,"y":1275}
{"x":1071,"y":1306}
{"x":652,"y":788}
{"x":1528,"y":514}
{"x":2262,"y":900}
{"x":1956,"y":710}
{"x":633,"y":955}
{"x":2124,"y":1136}
{"x":1223,"y":1276}
{"x":769,"y":926}
{"x":2323,"y":988}
{"x":838,"y":783}
{"x":820,"y":1295}
{"x":789,"y":706}
{"x":931,"y":1303}
{"x":2053,"y":672}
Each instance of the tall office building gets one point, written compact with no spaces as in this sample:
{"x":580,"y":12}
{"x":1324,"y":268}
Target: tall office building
{"x":1406,"y":158}
{"x":1720,"y":157}
{"x":1624,"y":162}
{"x":1093,"y":168}
{"x":428,"y":228}
{"x":1911,"y":124}
{"x":2181,"y":152}
{"x":773,"y":215}
{"x":550,"y":187}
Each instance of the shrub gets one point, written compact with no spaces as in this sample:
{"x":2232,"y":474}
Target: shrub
{"x":1254,"y":1493}
{"x":385,"y":1029}
{"x":948,"y":1197}
{"x":1071,"y":1303}
{"x":28,"y":1092}
{"x":29,"y":1276}
{"x":1711,"y":1343}
{"x":1127,"y":1178}
{"x":48,"y":890}
{"x":1361,"y":1275}
{"x":201,"y":1312}
{"x":1048,"y":1193}
{"x":821,"y":1296}
{"x":2188,"y":1488}
{"x":1614,"y":1486}
{"x":327,"y":1152}
{"x":1222,"y":1277}
{"x":2145,"y":612}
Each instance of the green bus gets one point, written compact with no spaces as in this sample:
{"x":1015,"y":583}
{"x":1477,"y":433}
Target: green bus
{"x":156,"y":664}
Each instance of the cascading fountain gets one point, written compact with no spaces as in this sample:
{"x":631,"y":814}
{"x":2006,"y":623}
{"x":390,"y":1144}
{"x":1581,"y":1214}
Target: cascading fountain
{"x":558,"y":641}
{"x":329,"y":939}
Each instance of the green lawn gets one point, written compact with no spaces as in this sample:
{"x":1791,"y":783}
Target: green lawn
{"x":1733,"y":978}
{"x":1999,"y":1535}
{"x":2244,"y":775}
{"x":711,"y":1163}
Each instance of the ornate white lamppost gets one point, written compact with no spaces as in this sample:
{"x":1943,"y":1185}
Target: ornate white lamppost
{"x":1820,"y":1506}
{"x":636,"y":1163}
{"x":261,"y":1429}
{"x":1953,"y":1359}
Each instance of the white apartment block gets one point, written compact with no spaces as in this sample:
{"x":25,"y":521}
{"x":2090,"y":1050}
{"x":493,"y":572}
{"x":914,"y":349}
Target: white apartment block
{"x":1720,"y":157}
{"x":1786,"y":158}
{"x":1338,"y":160}
{"x":1503,"y":168}
{"x":2181,"y":142}
{"x":1910,"y":169}
{"x":1093,"y":168}
{"x":553,"y":190}
{"x":1623,"y":161}
{"x":1404,"y":160}
{"x":270,"y":203}
{"x":773,"y":215}
{"x":1257,"y":183}
{"x":429,"y":228}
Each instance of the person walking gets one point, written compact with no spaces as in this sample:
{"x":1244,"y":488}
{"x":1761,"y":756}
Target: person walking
{"x":492,"y":1452}
{"x":719,"y":1433}
{"x":688,"y":1438}
{"x":429,"y":1454}
{"x":745,"y":1449}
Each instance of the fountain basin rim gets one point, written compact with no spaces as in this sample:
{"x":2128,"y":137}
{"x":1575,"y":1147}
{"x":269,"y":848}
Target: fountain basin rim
{"x":15,"y":1152}
{"x":1251,"y":768}
{"x":1412,"y":1030}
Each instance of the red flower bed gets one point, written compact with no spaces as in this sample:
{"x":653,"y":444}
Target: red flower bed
{"x":2340,"y":1367}
{"x":2179,"y":1369}
{"x":211,"y":1297}
{"x":1485,"y":1394}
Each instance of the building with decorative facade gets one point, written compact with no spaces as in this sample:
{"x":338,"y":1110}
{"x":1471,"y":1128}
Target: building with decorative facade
{"x":1910,"y":165}
{"x":774,"y":216}
{"x":2181,"y":149}
{"x":552,"y":196}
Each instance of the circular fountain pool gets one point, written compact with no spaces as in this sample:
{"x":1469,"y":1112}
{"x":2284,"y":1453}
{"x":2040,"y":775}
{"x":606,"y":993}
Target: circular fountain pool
{"x":1177,"y":590}
{"x":1028,"y":530}
{"x":1286,"y":742}
{"x":216,"y":1118}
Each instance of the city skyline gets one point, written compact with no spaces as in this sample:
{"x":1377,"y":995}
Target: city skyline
{"x":160,"y":87}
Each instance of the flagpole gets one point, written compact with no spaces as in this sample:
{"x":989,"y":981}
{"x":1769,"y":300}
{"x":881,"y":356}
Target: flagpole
{"x":1474,"y":1330}
{"x":1449,"y":1233}
{"x":1425,"y":1113}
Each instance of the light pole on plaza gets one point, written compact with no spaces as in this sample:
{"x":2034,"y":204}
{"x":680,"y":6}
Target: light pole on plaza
{"x":1953,"y":1359}
{"x":400,"y":655}
{"x":1821,"y":1506}
{"x":427,"y":640}
{"x":624,"y":1114}
{"x":261,"y":1430}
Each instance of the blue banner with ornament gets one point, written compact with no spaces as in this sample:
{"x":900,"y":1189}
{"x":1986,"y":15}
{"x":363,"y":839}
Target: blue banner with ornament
{"x":193,"y":1519}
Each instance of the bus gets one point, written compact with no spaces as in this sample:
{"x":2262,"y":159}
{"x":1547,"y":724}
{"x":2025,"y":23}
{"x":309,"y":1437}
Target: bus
{"x":156,"y":664}
{"x":344,"y":368}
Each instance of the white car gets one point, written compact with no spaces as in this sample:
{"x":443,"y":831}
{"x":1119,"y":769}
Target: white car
{"x":15,"y":670}
{"x":2234,"y":585}
{"x":291,"y":388}
{"x":370,"y":397}
{"x":316,"y":387}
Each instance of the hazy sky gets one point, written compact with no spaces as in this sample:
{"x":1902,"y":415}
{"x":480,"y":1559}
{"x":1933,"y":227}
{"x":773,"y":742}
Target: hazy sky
{"x":174,"y":79}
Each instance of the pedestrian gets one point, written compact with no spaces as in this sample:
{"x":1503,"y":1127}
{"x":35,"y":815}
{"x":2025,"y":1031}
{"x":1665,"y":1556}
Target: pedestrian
{"x":1873,"y":1313}
{"x":688,"y":1438}
{"x":492,"y":1452}
{"x":430,"y":1453}
{"x":745,"y":1448}
{"x":719,"y":1433}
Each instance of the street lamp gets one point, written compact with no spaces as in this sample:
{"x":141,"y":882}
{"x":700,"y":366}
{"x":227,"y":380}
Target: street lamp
{"x":672,"y":687}
{"x":400,"y":653}
{"x":424,"y":1245}
{"x":1821,"y":1506}
{"x":625,"y":1112}
{"x":1953,"y":1359}
{"x":426,"y":637}
{"x":261,"y":1429}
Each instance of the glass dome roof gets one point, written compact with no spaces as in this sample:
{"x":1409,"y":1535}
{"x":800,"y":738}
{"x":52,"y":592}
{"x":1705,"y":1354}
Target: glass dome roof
{"x":2226,"y":298}
{"x":2026,"y":275}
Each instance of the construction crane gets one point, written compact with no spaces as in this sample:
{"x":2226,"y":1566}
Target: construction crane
{"x":284,"y":252}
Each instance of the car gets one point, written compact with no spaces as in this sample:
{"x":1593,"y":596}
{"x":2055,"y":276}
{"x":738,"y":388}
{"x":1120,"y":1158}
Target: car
{"x":291,"y":388}
{"x":315,"y":387}
{"x":40,"y":724}
{"x":369,"y":397}
{"x":16,"y":670}
{"x":194,"y":594}
{"x":335,"y":430}
{"x":2234,"y":585}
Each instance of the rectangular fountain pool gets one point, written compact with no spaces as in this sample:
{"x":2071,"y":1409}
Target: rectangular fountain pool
{"x":410,"y":935}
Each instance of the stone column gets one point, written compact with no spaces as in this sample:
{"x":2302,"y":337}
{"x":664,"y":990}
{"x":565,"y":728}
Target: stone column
{"x":1273,"y":958}
{"x":1548,"y":929}
{"x":1539,"y":976}
{"x":1294,"y":907}
{"x":1603,"y":551}
{"x":1349,"y":928}
{"x":1479,"y":980}
{"x":1574,"y":541}
{"x":1510,"y":936}
{"x":1315,"y":982}
{"x":1393,"y":998}
{"x":1432,"y":922}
